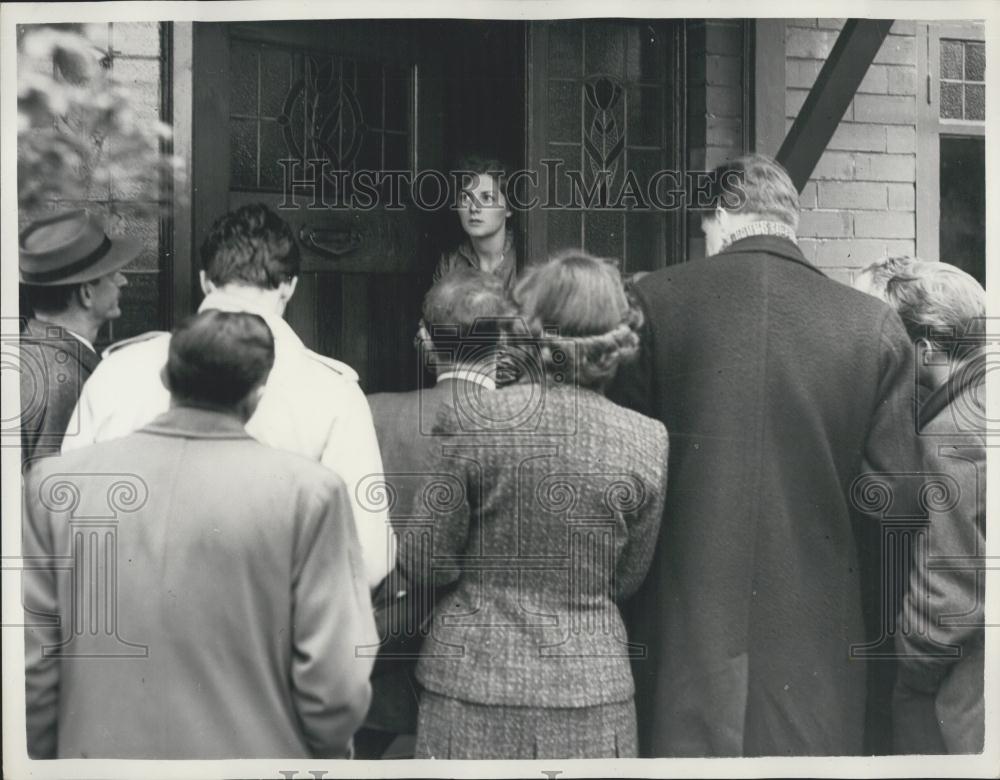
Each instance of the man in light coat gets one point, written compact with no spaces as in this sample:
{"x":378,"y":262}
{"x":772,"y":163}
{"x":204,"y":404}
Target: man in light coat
{"x":312,"y":404}
{"x":231,"y":588}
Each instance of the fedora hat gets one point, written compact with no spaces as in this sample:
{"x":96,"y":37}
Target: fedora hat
{"x":71,"y":248}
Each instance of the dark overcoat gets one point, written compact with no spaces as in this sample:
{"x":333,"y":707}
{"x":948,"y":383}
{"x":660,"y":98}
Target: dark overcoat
{"x":774,"y":382}
{"x":54,"y":366}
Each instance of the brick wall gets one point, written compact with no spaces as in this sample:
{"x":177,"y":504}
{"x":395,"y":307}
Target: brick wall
{"x":715,"y":102}
{"x":859,"y":204}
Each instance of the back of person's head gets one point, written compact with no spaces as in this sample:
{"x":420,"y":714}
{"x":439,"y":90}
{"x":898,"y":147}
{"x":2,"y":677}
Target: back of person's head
{"x":53,"y":299}
{"x":250,"y":246}
{"x":874,"y":277}
{"x":465,"y":304}
{"x":575,"y":305}
{"x":755,"y":184}
{"x":936,"y":301}
{"x":217,"y":358}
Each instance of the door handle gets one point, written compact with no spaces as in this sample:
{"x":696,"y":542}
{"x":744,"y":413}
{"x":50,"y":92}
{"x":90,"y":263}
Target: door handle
{"x":331,"y":242}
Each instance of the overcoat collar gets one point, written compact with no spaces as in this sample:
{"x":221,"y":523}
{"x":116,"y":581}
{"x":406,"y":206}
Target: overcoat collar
{"x":772,"y":245}
{"x":191,"y":422}
{"x":46,"y":335}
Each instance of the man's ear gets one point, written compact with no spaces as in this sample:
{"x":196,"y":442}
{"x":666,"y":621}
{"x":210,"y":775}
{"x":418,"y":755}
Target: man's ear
{"x":287,"y":289}
{"x":207,"y":285}
{"x":85,"y":295}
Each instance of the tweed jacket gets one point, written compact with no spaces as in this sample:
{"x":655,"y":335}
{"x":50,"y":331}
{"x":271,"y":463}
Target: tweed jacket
{"x":239,"y":598}
{"x":312,"y":405}
{"x":776,"y":383}
{"x":548,"y":503}
{"x":54,"y":366}
{"x":952,"y":418}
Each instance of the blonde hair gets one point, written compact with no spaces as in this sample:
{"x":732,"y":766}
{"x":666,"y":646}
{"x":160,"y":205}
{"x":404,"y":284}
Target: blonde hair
{"x":936,"y":301}
{"x":576,"y":309}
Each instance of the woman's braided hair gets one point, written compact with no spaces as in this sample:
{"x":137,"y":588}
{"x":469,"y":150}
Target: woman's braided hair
{"x":577,"y":311}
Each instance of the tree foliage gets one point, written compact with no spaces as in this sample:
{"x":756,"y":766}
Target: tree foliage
{"x":77,"y":131}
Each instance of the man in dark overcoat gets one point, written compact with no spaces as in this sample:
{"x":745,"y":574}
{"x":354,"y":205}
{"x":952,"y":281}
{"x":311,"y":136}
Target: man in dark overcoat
{"x":774,"y":382}
{"x":70,"y":272}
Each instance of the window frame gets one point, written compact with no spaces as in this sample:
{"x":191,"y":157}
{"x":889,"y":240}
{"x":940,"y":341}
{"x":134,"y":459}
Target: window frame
{"x":931,"y":127}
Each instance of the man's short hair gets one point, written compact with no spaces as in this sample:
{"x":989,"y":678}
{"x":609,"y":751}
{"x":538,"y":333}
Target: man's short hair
{"x":218,"y":357}
{"x":936,"y":301}
{"x":465,"y":304}
{"x":755,"y":184}
{"x":252,"y":246}
{"x":54,"y":298}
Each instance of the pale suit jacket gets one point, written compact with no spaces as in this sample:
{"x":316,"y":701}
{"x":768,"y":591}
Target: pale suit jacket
{"x":230,"y":600}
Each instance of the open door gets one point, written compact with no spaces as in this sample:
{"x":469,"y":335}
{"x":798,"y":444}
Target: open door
{"x":281,"y":103}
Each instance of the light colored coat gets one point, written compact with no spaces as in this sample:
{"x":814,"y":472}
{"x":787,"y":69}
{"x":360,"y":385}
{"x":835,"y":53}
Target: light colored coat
{"x":312,"y":405}
{"x":238,"y":592}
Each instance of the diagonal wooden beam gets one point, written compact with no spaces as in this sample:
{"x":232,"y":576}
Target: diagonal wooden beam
{"x":836,"y":84}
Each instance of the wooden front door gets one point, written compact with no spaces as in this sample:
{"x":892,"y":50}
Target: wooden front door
{"x":280,"y":108}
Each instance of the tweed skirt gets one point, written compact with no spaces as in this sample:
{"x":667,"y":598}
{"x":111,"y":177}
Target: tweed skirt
{"x":451,"y":728}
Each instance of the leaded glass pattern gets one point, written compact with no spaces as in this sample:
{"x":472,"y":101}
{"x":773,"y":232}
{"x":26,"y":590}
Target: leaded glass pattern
{"x":606,"y":93}
{"x":287,"y":103}
{"x":963,"y":80}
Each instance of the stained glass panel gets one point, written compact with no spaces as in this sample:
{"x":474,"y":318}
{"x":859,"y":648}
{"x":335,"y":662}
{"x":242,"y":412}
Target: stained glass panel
{"x":565,"y":50}
{"x":315,"y":105}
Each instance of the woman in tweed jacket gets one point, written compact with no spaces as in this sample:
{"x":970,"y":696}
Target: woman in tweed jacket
{"x":543,"y":514}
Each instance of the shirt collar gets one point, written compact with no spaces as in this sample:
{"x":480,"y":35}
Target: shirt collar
{"x":468,"y":375}
{"x":280,"y":329}
{"x":82,"y":340}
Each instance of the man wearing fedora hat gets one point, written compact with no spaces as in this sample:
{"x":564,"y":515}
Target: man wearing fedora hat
{"x":70,"y":272}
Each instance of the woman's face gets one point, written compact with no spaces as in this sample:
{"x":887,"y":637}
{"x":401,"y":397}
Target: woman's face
{"x":482,"y":208}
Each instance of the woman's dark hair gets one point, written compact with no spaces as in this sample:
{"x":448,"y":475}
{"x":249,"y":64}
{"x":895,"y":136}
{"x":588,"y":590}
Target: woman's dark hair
{"x":252,"y":246}
{"x":480,"y":164}
{"x":217,"y":357}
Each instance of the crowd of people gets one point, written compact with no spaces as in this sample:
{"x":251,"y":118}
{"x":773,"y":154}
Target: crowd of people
{"x":628,"y":519}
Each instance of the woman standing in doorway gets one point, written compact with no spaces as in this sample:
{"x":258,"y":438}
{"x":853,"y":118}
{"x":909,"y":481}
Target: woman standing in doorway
{"x":484,"y":213}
